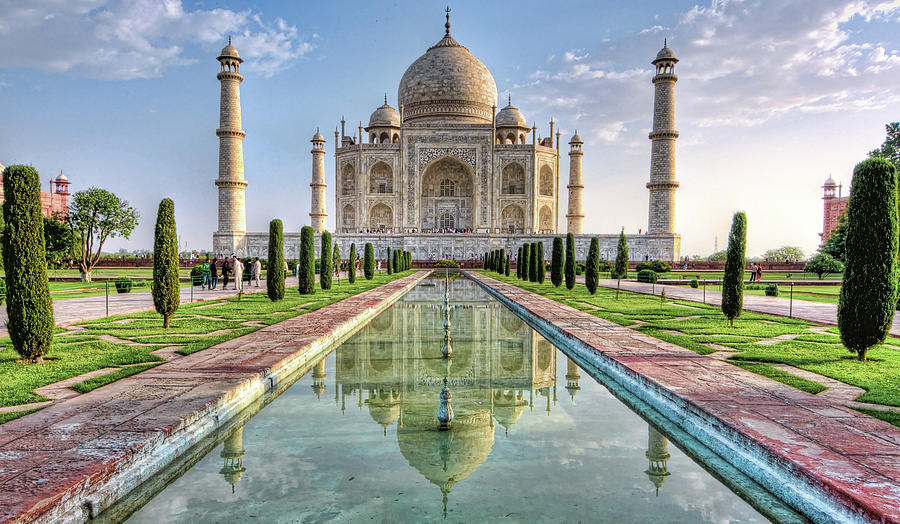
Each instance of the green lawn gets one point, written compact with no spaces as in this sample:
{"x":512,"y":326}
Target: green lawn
{"x":679,"y":274}
{"x":828,"y":294}
{"x":820,"y":353}
{"x":83,"y":351}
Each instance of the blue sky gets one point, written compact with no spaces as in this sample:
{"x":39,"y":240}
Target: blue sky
{"x":772,"y":98}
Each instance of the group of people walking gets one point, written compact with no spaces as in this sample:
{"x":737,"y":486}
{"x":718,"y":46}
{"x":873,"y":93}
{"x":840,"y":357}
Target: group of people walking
{"x":755,"y":272}
{"x":229,"y":266}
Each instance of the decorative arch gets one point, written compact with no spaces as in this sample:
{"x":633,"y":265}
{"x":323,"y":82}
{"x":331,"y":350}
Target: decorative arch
{"x":513,"y":179}
{"x":512,"y":219}
{"x":396,"y":139}
{"x":385,"y":138}
{"x":545,"y":219}
{"x":348,"y":180}
{"x":381,"y":216}
{"x":522,"y":138}
{"x":546,"y":182}
{"x":381,"y":178}
{"x":348,"y":218}
{"x":448,"y":186}
{"x":510,"y":138}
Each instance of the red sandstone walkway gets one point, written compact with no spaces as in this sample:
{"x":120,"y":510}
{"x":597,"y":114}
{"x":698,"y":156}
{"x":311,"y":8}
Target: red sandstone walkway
{"x":80,"y":452}
{"x":835,"y":451}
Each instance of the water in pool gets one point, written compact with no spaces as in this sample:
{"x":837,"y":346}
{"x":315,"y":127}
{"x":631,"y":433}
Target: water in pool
{"x":533,"y":437}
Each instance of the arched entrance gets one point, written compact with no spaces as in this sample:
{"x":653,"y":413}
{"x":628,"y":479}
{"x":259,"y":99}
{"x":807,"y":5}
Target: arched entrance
{"x":447,"y":195}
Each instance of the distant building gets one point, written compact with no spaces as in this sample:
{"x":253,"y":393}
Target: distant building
{"x":56,"y":201}
{"x":835,"y":206}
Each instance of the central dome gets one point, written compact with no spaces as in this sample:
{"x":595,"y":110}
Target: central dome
{"x":448,"y":84}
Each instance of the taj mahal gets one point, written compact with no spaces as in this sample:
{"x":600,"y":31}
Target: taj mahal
{"x":448,"y":174}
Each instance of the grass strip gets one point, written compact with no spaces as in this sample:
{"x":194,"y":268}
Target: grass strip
{"x":94,"y":383}
{"x":780,"y":376}
{"x":12,"y":415}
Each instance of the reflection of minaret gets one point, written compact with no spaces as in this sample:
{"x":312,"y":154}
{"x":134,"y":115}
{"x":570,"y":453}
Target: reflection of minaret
{"x":233,"y":452}
{"x":572,"y":378}
{"x":658,"y":455}
{"x":318,"y":377}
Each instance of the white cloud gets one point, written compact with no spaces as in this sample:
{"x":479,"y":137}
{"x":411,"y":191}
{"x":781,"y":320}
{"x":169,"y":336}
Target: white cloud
{"x":119,"y":39}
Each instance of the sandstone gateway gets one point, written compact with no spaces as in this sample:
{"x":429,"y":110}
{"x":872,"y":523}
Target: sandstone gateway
{"x":448,"y":175}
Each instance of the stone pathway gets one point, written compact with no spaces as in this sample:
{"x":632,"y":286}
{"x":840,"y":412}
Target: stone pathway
{"x":782,"y":437}
{"x":71,"y":460}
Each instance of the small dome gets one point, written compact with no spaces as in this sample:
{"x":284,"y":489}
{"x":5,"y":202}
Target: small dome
{"x":665,"y":53}
{"x":229,"y":52}
{"x":318,"y":137}
{"x":62,"y":178}
{"x":576,"y":139}
{"x":385,"y":116}
{"x":830,"y":182}
{"x":510,"y":116}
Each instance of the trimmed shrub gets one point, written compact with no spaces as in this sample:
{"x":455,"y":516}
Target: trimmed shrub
{"x":501,"y":260}
{"x":123,"y":285}
{"x":519,"y":263}
{"x":526,"y":262}
{"x":604,"y":266}
{"x":484,"y":264}
{"x":446,"y":263}
{"x":621,"y":269}
{"x":166,"y":289}
{"x":570,"y":261}
{"x":197,"y":275}
{"x":506,"y":268}
{"x":591,"y":267}
{"x":326,"y":269}
{"x":307,"y":278}
{"x":647,"y":275}
{"x":29,"y":307}
{"x":772,"y":290}
{"x":655,"y":265}
{"x":336,"y":261}
{"x":695,"y":283}
{"x":733,"y":279}
{"x":369,"y":261}
{"x":275,"y":273}
{"x":532,"y":262}
{"x":398,"y":267}
{"x":869,"y":290}
{"x":542,"y":267}
{"x":389,"y":262}
{"x":556,"y":262}
{"x":351,"y":266}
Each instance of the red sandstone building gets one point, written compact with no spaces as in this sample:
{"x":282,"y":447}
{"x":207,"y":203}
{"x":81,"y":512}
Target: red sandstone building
{"x":835,"y":206}
{"x":55,"y":202}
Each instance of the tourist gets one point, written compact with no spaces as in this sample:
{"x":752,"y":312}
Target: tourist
{"x":758,"y":272}
{"x":226,"y":269}
{"x":213,"y":273}
{"x":204,"y":272}
{"x":238,"y":268}
{"x":255,"y":269}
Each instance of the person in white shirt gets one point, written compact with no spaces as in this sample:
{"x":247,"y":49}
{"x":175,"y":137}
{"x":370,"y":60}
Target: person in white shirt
{"x":255,"y":270}
{"x":238,"y":274}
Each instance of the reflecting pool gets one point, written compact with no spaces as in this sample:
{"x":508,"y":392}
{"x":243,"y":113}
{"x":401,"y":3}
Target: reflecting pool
{"x":533,"y":437}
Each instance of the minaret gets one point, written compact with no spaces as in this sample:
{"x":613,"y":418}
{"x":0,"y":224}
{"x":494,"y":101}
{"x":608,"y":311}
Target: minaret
{"x":317,"y":214}
{"x":318,"y":376}
{"x":662,"y":183}
{"x":232,"y":212}
{"x":233,"y":453}
{"x":575,"y":216}
{"x":658,"y":455}
{"x":572,"y":377}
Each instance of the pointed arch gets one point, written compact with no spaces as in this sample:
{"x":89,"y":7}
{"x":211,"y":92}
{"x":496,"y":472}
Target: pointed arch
{"x":381,"y":178}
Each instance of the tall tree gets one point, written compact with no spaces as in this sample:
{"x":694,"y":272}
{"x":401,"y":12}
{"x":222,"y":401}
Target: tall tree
{"x":326,"y":270}
{"x":622,"y":256}
{"x":501,"y":260}
{"x":542,"y":265}
{"x":389,"y":263}
{"x":369,"y":261}
{"x":307,"y":262}
{"x":96,"y":215}
{"x":351,"y":265}
{"x":570,"y":261}
{"x":275,"y":267}
{"x":785,"y":254}
{"x":397,"y":265}
{"x":868,"y":296}
{"x":556,"y":262}
{"x":532,"y":262}
{"x":890,"y":148}
{"x":166,"y":287}
{"x":506,"y":268}
{"x":592,"y":266}
{"x":519,"y":263}
{"x":29,"y":307}
{"x":733,"y":279}
{"x":336,"y":261}
{"x":526,"y":261}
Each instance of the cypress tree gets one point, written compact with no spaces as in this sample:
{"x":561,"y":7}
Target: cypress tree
{"x":532,"y":262}
{"x":519,"y":263}
{"x":556,"y":262}
{"x":369,"y":261}
{"x":336,"y":260}
{"x":325,"y":264}
{"x":592,"y":266}
{"x":570,"y":261}
{"x":275,"y":266}
{"x":501,"y":261}
{"x":621,"y":267}
{"x":307,"y":262}
{"x":868,"y":296}
{"x":166,"y":288}
{"x":389,"y":263}
{"x":351,"y":265}
{"x":542,"y":266}
{"x":29,"y":307}
{"x":484,"y":261}
{"x":733,"y":279}
{"x":396,"y":262}
{"x":506,"y":269}
{"x":526,"y":263}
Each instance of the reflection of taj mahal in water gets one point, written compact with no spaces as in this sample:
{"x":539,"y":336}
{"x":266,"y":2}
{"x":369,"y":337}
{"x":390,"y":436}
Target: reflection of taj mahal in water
{"x":448,"y":174}
{"x":500,"y":369}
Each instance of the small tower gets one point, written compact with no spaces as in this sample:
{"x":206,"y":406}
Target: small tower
{"x":662,"y":183}
{"x":572,"y":378}
{"x":318,"y":376}
{"x":233,"y":453}
{"x":317,"y":214}
{"x":575,"y":216}
{"x":658,"y":455}
{"x":229,"y":238}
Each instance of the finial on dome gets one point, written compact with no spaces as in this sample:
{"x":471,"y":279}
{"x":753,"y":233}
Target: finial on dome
{"x":229,"y":39}
{"x":509,"y":98}
{"x":385,"y":99}
{"x":447,"y":24}
{"x":665,"y":42}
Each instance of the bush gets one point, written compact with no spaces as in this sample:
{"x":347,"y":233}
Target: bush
{"x":307,"y":277}
{"x":695,"y":283}
{"x":369,"y":261}
{"x":869,"y":290}
{"x":275,"y":274}
{"x":446,"y":263}
{"x":166,"y":287}
{"x":772,"y":290}
{"x":326,"y":267}
{"x":579,"y":268}
{"x":29,"y":307}
{"x":604,"y":266}
{"x":654,"y":265}
{"x":351,"y":264}
{"x":647,"y":275}
{"x":733,"y":279}
{"x":621,"y":269}
{"x":591,"y":275}
{"x":123,"y":284}
{"x":196,"y":275}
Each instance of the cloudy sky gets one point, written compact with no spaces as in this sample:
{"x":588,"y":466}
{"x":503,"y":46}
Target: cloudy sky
{"x":772,"y":98}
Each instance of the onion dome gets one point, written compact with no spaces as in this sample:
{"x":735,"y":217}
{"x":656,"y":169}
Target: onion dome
{"x":830,"y":182}
{"x":665,"y":53}
{"x":230,"y":52}
{"x":318,"y":137}
{"x":510,"y":116}
{"x":385,"y":116}
{"x":448,"y":83}
{"x":62,"y":178}
{"x":576,"y":139}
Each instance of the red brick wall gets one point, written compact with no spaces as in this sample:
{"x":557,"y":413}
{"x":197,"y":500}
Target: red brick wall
{"x":834,"y":208}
